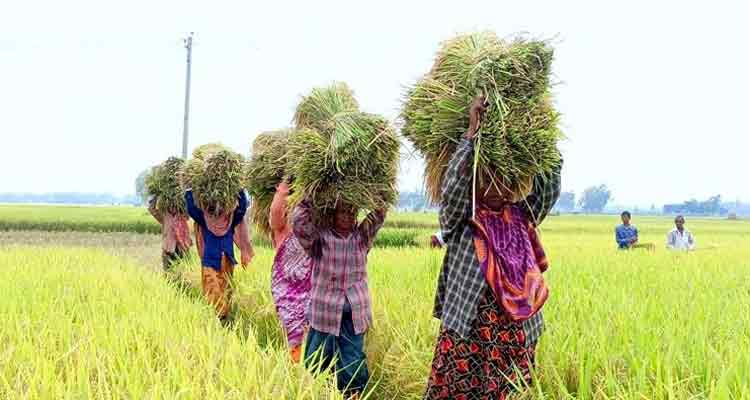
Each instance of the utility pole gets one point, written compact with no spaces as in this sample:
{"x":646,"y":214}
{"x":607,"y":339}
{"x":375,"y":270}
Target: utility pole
{"x":189,"y":46}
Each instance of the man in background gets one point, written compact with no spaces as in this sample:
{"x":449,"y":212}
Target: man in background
{"x":626,"y":234}
{"x":680,"y":238}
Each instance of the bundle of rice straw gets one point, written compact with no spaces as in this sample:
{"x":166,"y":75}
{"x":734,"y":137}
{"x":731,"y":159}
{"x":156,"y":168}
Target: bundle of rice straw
{"x":215,"y":181}
{"x":317,"y":109}
{"x":196,"y":164}
{"x":265,"y":170}
{"x":519,"y":131}
{"x":164,"y":183}
{"x":205,"y":151}
{"x":351,"y":157}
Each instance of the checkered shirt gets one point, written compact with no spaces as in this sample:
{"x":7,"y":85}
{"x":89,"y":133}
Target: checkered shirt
{"x":339,"y":272}
{"x":461,"y":282}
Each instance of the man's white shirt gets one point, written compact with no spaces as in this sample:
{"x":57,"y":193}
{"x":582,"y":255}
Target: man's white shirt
{"x":677,"y":240}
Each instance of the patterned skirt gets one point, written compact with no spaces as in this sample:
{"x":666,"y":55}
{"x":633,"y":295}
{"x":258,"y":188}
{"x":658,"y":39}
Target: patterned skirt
{"x":489,"y":363}
{"x":290,"y":287}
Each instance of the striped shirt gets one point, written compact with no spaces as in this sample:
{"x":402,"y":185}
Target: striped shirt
{"x":339,"y":274}
{"x":461,"y":282}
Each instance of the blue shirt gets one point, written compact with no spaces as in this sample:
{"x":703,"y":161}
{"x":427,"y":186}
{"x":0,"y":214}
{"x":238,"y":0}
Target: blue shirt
{"x":216,"y":246}
{"x":624,"y":234}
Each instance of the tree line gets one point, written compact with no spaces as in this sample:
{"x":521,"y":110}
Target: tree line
{"x":595,"y":198}
{"x":592,"y":200}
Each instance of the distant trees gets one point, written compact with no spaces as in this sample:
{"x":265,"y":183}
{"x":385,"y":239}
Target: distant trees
{"x":566,"y":202}
{"x":737,"y":208}
{"x":140,"y":186}
{"x":712,"y":206}
{"x":595,"y":198}
{"x":412,"y":201}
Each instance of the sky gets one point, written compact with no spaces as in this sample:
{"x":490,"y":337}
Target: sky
{"x":653,"y":94}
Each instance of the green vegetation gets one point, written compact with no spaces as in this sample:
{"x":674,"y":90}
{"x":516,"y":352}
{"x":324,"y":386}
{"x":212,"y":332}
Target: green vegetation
{"x":205,"y":151}
{"x":217,"y":180}
{"x":620,"y":325}
{"x":316,"y":110}
{"x":265,"y":170}
{"x":400,"y":231}
{"x":342,"y":154}
{"x":164,"y":183}
{"x":81,"y":324}
{"x":77,"y":219}
{"x":519,"y":133}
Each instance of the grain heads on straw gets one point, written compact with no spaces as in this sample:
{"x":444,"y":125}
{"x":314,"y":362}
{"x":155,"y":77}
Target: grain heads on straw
{"x":519,"y":132}
{"x":265,"y":170}
{"x":205,"y":151}
{"x":164,"y":183}
{"x":355,"y":163}
{"x":217,"y":180}
{"x":316,"y":110}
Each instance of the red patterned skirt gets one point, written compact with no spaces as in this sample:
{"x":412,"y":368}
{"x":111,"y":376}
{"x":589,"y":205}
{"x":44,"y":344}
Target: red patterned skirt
{"x":487,"y":364}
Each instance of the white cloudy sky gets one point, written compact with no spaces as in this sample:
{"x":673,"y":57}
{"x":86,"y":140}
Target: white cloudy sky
{"x":654,"y":94}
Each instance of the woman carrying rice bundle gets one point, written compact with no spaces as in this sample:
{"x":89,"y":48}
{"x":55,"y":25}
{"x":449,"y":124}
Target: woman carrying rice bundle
{"x":290,"y":278}
{"x":216,"y":232}
{"x":175,"y":234}
{"x":340,"y":308}
{"x":217,"y":202}
{"x":490,"y":290}
{"x":290,"y":274}
{"x":344,"y":161}
{"x":166,"y":203}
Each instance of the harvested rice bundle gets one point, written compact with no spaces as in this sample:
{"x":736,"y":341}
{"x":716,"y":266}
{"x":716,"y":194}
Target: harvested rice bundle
{"x":316,"y":110}
{"x":355,"y":163}
{"x":519,"y":131}
{"x":216,"y":181}
{"x":265,"y":170}
{"x":205,"y":151}
{"x":164,"y":183}
{"x":151,"y":181}
{"x":193,"y":167}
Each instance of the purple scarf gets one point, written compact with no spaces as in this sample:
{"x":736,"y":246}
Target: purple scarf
{"x":509,"y":261}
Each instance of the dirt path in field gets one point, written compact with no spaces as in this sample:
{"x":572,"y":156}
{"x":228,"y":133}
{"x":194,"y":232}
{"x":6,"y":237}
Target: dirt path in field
{"x":143,"y":249}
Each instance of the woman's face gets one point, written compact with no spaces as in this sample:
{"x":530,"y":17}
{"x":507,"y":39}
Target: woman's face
{"x":214,"y":210}
{"x":491,"y":196}
{"x":345,"y":218}
{"x":494,"y":194}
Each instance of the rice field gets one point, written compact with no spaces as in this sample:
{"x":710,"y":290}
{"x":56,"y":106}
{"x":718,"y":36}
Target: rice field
{"x":403,"y":229}
{"x":83,"y":319}
{"x":77,"y":219}
{"x":79,"y":324}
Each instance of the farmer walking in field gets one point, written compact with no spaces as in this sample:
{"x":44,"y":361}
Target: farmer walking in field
{"x":490,"y":291}
{"x":175,"y":234}
{"x":216,"y":232}
{"x":342,"y":160}
{"x":340,"y":305}
{"x":290,"y":278}
{"x":680,"y":238}
{"x":166,"y":203}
